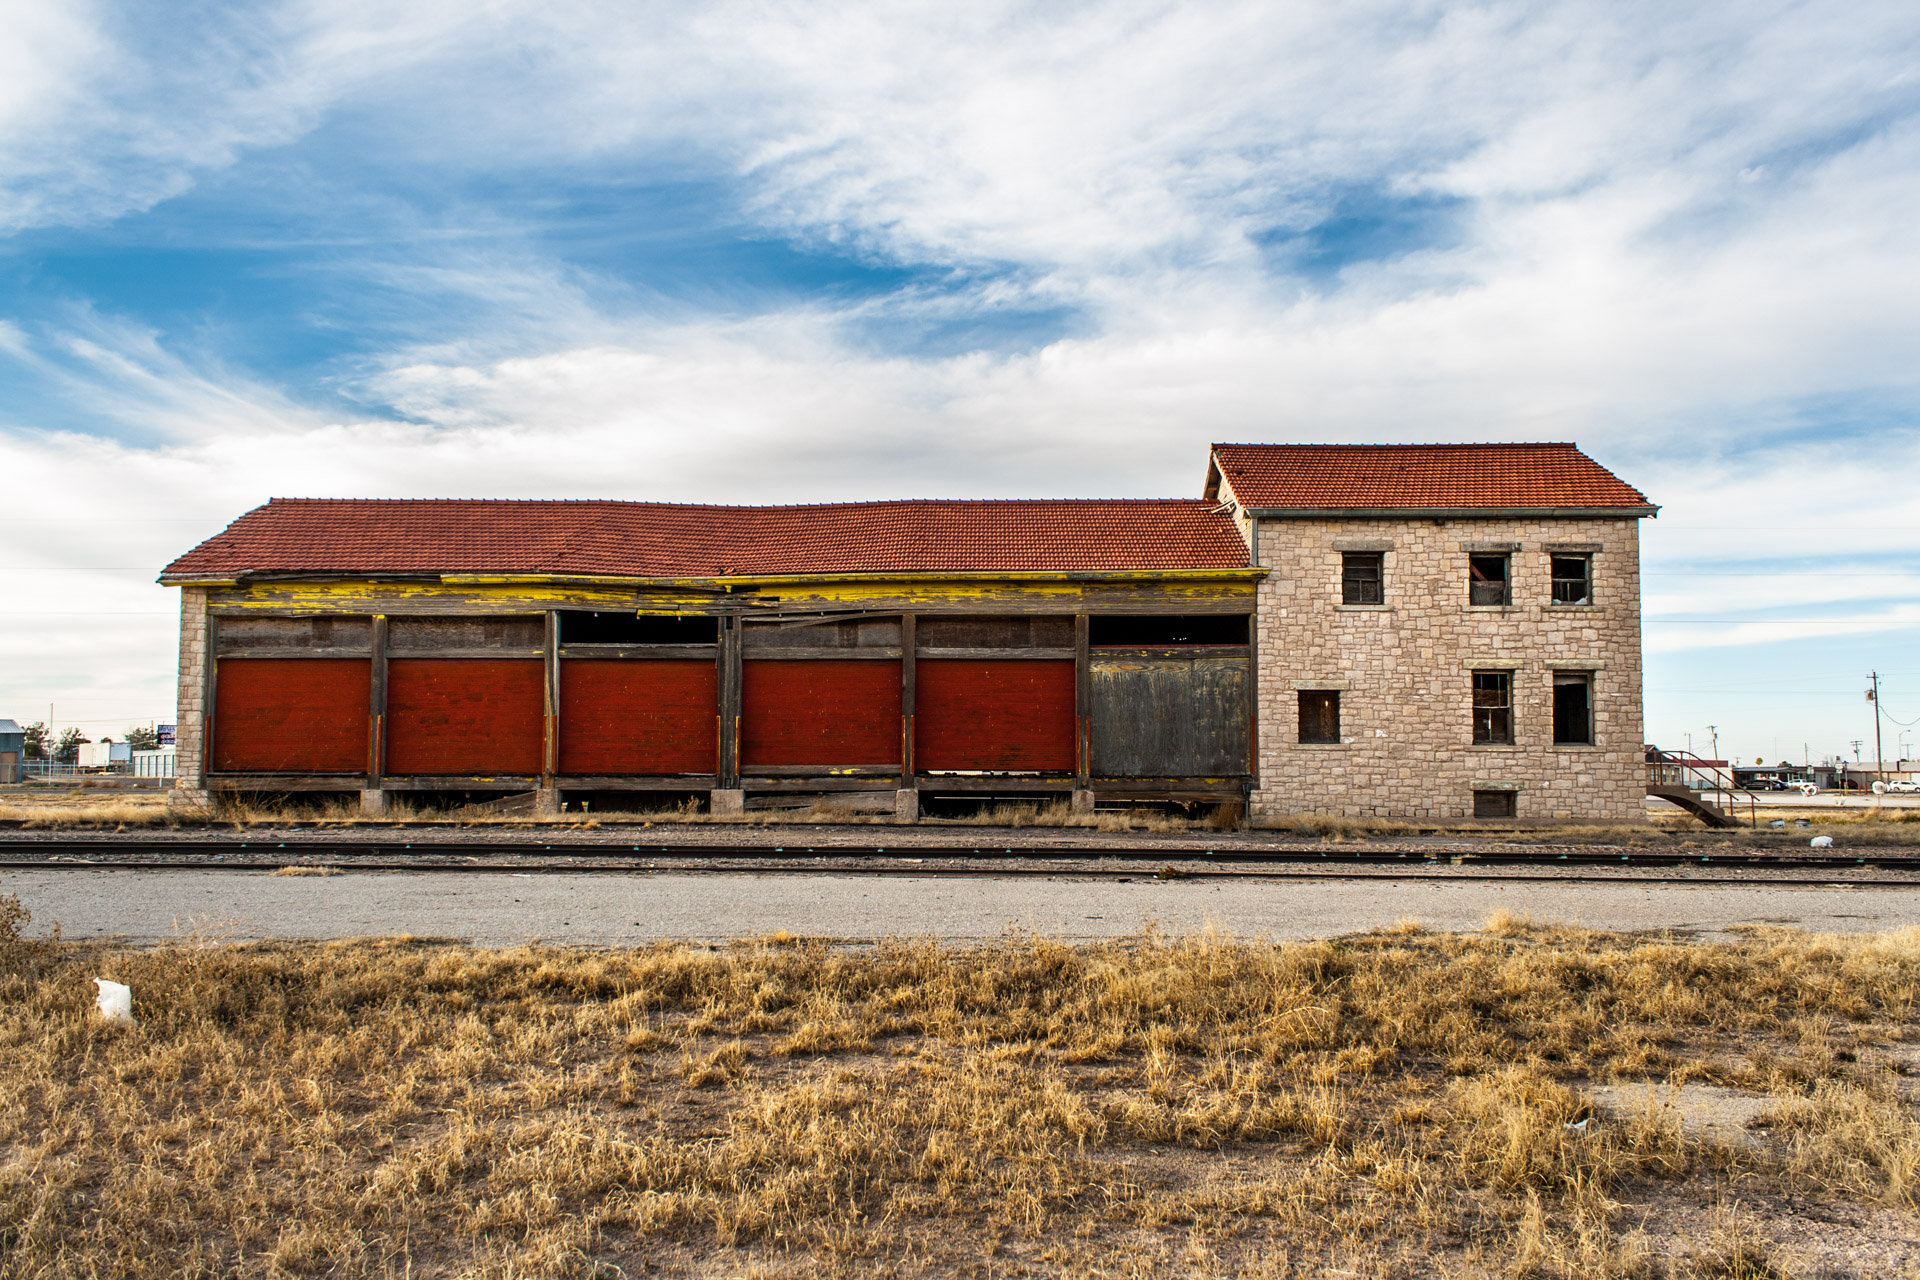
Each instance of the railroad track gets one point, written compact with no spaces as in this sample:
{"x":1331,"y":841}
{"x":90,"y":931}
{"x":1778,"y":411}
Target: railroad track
{"x":1294,"y":862}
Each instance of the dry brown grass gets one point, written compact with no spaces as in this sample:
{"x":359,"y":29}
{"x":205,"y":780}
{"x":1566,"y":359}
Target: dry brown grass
{"x":1388,"y":1105}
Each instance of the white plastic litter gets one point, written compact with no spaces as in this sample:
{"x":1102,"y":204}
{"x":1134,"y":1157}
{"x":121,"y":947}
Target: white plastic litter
{"x":1577,"y":1126}
{"x":1822,"y":842}
{"x":115,"y":1001}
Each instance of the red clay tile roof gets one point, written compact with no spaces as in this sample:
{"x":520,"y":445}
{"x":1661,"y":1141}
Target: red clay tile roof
{"x":1421,"y":477}
{"x":675,"y":540}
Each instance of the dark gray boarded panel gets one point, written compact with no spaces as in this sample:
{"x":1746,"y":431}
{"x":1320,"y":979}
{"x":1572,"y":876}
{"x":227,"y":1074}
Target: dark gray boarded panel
{"x":295,"y":633}
{"x":824,"y":633}
{"x":1169,"y":717}
{"x":425,"y":635}
{"x":1034,"y":631}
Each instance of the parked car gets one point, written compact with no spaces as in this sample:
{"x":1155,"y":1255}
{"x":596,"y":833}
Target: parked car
{"x":1904,"y":788}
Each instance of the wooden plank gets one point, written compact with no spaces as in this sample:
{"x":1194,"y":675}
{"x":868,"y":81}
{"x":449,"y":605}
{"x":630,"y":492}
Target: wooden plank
{"x":280,"y":716}
{"x":377,"y":704}
{"x":864,"y":631}
{"x":730,"y":680}
{"x":795,"y":654}
{"x":629,"y":782}
{"x":941,"y":783}
{"x":232,"y":783}
{"x":272,"y":654}
{"x":824,"y":771}
{"x":465,"y":782}
{"x":1169,"y":717}
{"x":642,"y":653}
{"x":414,"y":634}
{"x":909,"y":649}
{"x":1172,"y":651}
{"x":550,"y":699}
{"x":757,"y":782}
{"x":1047,"y":654}
{"x":251,"y":636}
{"x":534,"y":654}
{"x":1082,"y":699}
{"x":638,"y":717}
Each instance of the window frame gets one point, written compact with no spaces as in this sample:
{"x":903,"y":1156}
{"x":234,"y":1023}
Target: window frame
{"x":1496,"y":713}
{"x":1554,"y":579}
{"x":1325,"y":698}
{"x":1510,"y":803}
{"x":1505,"y":583}
{"x":1570,"y":678}
{"x":1352,"y":587}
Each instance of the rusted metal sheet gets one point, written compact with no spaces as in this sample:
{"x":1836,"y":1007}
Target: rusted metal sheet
{"x":1170,"y":717}
{"x":293,"y":715}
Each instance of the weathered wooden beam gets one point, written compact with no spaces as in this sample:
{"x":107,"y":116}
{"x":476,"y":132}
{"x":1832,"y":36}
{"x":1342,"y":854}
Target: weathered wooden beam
{"x":1082,"y":698}
{"x":377,"y":705}
{"x":550,"y":690}
{"x":658,"y":652}
{"x":908,"y":676}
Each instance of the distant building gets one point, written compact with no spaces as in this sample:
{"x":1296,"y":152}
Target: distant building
{"x":13,"y":749}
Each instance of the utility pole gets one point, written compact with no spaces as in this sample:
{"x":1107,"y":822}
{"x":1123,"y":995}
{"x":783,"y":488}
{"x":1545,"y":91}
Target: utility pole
{"x":1714,"y":729}
{"x":1879,"y":752}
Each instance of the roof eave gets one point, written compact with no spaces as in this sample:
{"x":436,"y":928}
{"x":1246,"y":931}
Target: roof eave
{"x":1645,"y":511}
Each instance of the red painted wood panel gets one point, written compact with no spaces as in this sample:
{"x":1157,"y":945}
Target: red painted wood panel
{"x":993,"y":714}
{"x":638,"y":717}
{"x":464,"y":715}
{"x":831,"y":711}
{"x":304,"y":715}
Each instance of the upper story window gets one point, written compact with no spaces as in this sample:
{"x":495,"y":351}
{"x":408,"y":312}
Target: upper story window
{"x":1572,"y":579}
{"x":1361,"y":577}
{"x":1488,"y":580}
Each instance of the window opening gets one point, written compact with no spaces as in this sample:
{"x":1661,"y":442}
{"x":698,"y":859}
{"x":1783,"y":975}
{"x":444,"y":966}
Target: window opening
{"x":1493,"y":804}
{"x":1572,"y":708}
{"x":1487,"y":580}
{"x":1492,"y":706}
{"x":1166,"y":631}
{"x":1361,"y":577}
{"x":581,"y":626}
{"x":1572,"y":579}
{"x":1320,"y":715}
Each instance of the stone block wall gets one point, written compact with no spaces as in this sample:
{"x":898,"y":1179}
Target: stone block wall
{"x":190,"y":738}
{"x":1404,"y":670}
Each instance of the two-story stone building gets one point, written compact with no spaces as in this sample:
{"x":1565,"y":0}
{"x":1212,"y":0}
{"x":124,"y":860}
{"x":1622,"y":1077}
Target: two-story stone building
{"x":1436,"y":631}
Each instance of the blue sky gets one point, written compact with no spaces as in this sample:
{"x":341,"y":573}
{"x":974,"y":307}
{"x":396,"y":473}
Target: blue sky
{"x":741,"y":252}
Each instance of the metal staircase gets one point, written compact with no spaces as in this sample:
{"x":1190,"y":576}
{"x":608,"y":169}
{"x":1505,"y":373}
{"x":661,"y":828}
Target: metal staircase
{"x":1671,"y":775}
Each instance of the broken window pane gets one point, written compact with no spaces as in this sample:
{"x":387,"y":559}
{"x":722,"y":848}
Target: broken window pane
{"x":1492,"y":706}
{"x":1319,"y":715}
{"x":1487,"y":580}
{"x":1572,"y":579}
{"x":1572,"y":708}
{"x":1360,"y":577}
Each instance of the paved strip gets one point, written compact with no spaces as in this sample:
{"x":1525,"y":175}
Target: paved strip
{"x":608,"y":909}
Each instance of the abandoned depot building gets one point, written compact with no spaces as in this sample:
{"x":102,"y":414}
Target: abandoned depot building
{"x":1427,"y":631}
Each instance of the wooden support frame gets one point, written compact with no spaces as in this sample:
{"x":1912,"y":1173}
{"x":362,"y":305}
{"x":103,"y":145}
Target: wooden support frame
{"x":729,"y":710}
{"x":908,"y":656}
{"x":550,"y":697}
{"x":1082,"y":699}
{"x":377,"y":706}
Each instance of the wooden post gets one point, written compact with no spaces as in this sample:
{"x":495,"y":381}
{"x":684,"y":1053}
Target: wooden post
{"x":1083,"y":701}
{"x":377,"y":706}
{"x":730,"y":646}
{"x":907,"y":646}
{"x":209,"y":690}
{"x":550,"y":657}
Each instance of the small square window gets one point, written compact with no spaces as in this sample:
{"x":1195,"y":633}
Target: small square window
{"x":1361,"y":577}
{"x":1320,"y":715}
{"x":1492,"y":707}
{"x":1493,"y":804}
{"x":1572,"y":579}
{"x":1487,"y":580}
{"x":1572,"y":709}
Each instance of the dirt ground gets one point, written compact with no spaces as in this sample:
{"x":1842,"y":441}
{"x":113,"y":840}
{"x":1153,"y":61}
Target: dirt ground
{"x":1519,"y":1101}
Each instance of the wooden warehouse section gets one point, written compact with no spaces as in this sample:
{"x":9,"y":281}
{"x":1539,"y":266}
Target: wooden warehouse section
{"x":904,"y":648}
